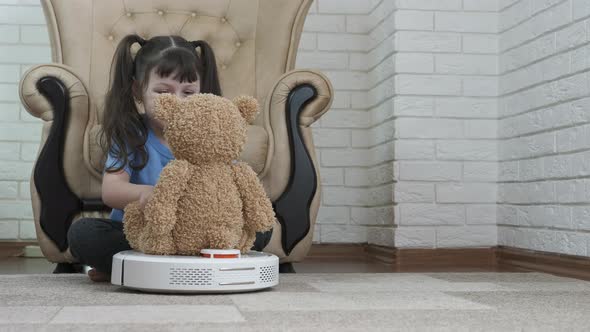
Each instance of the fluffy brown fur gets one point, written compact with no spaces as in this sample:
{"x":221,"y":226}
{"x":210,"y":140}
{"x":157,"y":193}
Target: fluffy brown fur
{"x":203,"y":199}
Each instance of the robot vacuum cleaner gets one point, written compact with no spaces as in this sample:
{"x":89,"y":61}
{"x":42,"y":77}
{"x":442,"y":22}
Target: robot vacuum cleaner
{"x":214,"y":271}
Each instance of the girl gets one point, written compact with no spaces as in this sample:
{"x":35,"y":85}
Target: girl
{"x":163,"y":64}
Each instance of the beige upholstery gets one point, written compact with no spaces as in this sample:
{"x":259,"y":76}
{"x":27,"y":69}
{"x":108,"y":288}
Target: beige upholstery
{"x":255,"y":42}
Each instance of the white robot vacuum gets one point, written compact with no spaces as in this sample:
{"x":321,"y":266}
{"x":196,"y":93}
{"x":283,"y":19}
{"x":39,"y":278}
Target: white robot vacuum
{"x":215,"y":271}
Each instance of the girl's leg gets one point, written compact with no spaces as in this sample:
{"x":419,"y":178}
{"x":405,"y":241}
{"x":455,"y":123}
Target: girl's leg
{"x":94,"y":242}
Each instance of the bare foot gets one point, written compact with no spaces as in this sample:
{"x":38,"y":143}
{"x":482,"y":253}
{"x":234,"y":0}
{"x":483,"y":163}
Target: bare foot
{"x":98,"y":276}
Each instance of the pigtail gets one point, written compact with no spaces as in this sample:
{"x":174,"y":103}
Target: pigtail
{"x":124,"y":131}
{"x":210,"y":79}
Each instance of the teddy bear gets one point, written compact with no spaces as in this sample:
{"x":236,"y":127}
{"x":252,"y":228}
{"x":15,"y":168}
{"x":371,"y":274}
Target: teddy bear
{"x":205,"y":197}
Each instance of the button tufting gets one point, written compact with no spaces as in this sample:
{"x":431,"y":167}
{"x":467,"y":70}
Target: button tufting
{"x":194,"y":14}
{"x":223,"y":66}
{"x":111,"y":37}
{"x":128,"y":14}
{"x":238,"y":44}
{"x":223,"y":20}
{"x":160,"y":12}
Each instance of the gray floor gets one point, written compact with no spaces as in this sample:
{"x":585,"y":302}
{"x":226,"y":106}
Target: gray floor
{"x":306,"y":301}
{"x":21,"y":265}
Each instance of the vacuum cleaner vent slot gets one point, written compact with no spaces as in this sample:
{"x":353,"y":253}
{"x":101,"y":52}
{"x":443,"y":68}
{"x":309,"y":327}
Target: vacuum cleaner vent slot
{"x":268,"y":273}
{"x":188,"y":276}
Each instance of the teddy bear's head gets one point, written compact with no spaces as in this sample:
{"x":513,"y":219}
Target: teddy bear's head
{"x":205,"y":127}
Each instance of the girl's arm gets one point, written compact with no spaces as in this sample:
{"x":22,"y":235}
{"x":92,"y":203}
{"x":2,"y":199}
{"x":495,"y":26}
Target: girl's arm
{"x":117,"y":192}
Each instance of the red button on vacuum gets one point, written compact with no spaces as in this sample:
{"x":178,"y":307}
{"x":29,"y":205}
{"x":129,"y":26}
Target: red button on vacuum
{"x":220,"y":253}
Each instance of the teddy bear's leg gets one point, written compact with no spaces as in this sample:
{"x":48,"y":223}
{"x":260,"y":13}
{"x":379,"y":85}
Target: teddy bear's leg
{"x":247,"y":241}
{"x":161,"y":209}
{"x":133,"y":224}
{"x":141,"y":236}
{"x":251,"y":241}
{"x":243,"y":242}
{"x":190,"y":245}
{"x":222,"y":238}
{"x":157,"y":245}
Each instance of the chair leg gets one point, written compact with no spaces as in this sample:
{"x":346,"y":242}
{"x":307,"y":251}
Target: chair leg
{"x":286,"y":268}
{"x":62,"y":268}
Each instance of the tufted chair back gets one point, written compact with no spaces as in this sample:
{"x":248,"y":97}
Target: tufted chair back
{"x":253,"y":40}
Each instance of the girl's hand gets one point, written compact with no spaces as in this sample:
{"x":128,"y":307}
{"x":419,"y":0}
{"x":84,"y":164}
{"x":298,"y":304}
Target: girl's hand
{"x":145,"y":196}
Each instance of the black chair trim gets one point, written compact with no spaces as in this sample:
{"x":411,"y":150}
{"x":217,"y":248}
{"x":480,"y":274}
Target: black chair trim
{"x":293,"y":206}
{"x":59,"y":204}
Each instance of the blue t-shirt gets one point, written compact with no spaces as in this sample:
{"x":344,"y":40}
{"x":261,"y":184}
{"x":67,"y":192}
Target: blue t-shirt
{"x":158,"y":156}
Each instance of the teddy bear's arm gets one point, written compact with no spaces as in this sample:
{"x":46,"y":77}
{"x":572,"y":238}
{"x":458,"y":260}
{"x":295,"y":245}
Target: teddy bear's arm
{"x":259,"y":215}
{"x":160,"y":210}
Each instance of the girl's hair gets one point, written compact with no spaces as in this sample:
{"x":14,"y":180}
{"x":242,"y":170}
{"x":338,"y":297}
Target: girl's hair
{"x":124,"y":131}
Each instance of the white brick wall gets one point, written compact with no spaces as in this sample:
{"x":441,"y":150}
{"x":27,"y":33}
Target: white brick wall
{"x":23,"y":42}
{"x":543,"y":132}
{"x":446,"y":109}
{"x":351,"y":42}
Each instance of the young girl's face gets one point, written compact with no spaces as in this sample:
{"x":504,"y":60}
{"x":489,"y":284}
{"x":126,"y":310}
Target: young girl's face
{"x":158,"y":85}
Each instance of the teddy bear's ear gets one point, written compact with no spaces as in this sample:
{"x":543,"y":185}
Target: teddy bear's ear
{"x":164,"y":106}
{"x":248,"y":106}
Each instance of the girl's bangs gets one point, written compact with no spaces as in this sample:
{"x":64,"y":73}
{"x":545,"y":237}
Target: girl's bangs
{"x":178,"y":61}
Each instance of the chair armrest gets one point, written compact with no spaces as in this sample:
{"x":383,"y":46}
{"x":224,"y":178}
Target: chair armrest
{"x":316,"y":108}
{"x":37,"y":104}
{"x":276,"y":169}
{"x":60,"y":187}
{"x":291,"y":174}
